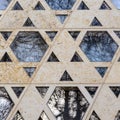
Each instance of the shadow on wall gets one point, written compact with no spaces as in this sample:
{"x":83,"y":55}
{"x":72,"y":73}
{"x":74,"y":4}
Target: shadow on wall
{"x":57,"y":3}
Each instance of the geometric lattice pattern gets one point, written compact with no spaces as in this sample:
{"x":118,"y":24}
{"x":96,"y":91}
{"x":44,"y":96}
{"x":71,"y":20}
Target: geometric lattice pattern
{"x":59,"y":60}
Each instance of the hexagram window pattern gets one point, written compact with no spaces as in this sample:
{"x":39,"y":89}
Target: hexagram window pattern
{"x":60,"y":59}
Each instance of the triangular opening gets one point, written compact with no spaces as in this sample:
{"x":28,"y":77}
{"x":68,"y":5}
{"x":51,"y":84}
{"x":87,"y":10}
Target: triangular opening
{"x":117,"y":117}
{"x":6,"y":58}
{"x":91,"y":90}
{"x":30,"y":70}
{"x":95,"y":22}
{"x":117,"y":33}
{"x":105,"y":6}
{"x":42,"y":90}
{"x":18,"y":90}
{"x":76,"y":58}
{"x":115,"y":90}
{"x":39,"y":6}
{"x":43,"y":116}
{"x":61,"y":18}
{"x":101,"y":70}
{"x":28,"y":23}
{"x":53,"y":58}
{"x":51,"y":34}
{"x":18,"y":116}
{"x":119,"y":59}
{"x":66,"y":77}
{"x":6,"y":35}
{"x":94,"y":116}
{"x":74,"y":34}
{"x":17,"y":6}
{"x":83,"y":6}
{"x":60,"y":4}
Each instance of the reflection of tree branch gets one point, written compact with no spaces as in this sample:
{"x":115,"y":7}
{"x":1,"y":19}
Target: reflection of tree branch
{"x":8,"y":1}
{"x":67,"y":103}
{"x":79,"y":114}
{"x":65,"y":114}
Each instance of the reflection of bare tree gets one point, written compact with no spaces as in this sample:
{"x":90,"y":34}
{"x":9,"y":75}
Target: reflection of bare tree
{"x":92,"y":90}
{"x":29,"y":46}
{"x":94,"y":116}
{"x":68,"y":103}
{"x":98,"y":46}
{"x":116,"y":90}
{"x":60,"y":4}
{"x":18,"y":116}
{"x":6,"y":104}
{"x":42,"y":90}
{"x":117,"y":117}
{"x":43,"y":116}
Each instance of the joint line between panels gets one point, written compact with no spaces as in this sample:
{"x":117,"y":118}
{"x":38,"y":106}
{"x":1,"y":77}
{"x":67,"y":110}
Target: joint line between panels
{"x":103,"y":83}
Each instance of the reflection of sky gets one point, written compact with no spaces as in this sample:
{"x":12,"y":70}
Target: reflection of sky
{"x":116,"y":3}
{"x":4,"y":3}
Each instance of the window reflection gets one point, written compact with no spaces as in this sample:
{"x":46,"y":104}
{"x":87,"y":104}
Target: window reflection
{"x":116,"y":3}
